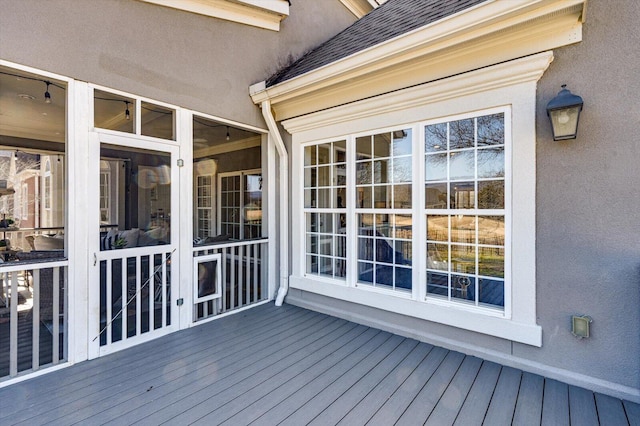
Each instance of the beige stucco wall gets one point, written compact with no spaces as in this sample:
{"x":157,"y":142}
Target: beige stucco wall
{"x":189,"y":60}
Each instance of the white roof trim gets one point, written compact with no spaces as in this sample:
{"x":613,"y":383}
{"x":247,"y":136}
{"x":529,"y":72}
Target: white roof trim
{"x":523,"y":70}
{"x":259,"y":13}
{"x":358,"y":7}
{"x":492,"y":32}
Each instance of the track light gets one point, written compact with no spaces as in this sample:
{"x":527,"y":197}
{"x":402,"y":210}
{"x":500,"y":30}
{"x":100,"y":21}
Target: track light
{"x":228,"y":136}
{"x":47,"y":95}
{"x":127,"y":114}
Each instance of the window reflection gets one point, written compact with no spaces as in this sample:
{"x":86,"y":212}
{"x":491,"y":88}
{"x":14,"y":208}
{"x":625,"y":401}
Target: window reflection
{"x":230,"y":182}
{"x":462,"y":195}
{"x":461,"y":134}
{"x":385,"y":250}
{"x":436,"y":137}
{"x":136,"y":198}
{"x":114,"y":112}
{"x":157,"y":121}
{"x":465,"y":170}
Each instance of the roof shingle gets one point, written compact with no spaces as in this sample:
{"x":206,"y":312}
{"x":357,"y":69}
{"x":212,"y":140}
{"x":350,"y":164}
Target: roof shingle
{"x":393,"y":18}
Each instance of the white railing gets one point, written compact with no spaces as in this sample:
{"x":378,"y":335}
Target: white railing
{"x":33,"y":316}
{"x":244,"y":276}
{"x":135,"y":292}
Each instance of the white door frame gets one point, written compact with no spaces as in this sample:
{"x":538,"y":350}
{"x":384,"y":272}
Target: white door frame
{"x":95,"y":255}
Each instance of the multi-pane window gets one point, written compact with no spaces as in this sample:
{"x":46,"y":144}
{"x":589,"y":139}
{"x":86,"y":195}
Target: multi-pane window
{"x":252,"y":205}
{"x":383,"y":177}
{"x":463,"y":171}
{"x":241,"y":205}
{"x":204,"y":205}
{"x":465,"y":210}
{"x":230,"y":219}
{"x":325,"y":202}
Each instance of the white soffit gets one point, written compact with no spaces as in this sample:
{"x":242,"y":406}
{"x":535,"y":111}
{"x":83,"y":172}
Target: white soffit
{"x":490,"y":33}
{"x":259,"y":13}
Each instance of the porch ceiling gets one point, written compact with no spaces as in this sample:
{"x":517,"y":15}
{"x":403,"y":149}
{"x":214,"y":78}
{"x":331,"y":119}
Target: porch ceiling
{"x":289,"y":365}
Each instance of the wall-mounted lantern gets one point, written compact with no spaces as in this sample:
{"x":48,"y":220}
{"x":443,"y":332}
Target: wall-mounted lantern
{"x":564,"y":113}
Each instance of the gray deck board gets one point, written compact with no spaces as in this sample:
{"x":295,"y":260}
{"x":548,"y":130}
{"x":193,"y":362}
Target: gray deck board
{"x":226,"y":412}
{"x":503,"y":401}
{"x":447,"y":409}
{"x":477,"y":402}
{"x":138,"y":385}
{"x":193,"y":415}
{"x":84,"y":378}
{"x":281,"y":386}
{"x":529,"y":403}
{"x":269,"y":394}
{"x":582,"y":407}
{"x":289,"y":410}
{"x":367,"y":407}
{"x":287,"y":365}
{"x":633,"y":412}
{"x":216,"y":379}
{"x":342,"y":404}
{"x":367,"y":372}
{"x":426,"y":400}
{"x":610,"y":411}
{"x":393,"y":408}
{"x":555,"y":403}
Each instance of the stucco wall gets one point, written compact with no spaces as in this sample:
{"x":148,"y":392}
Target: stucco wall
{"x":588,"y":227}
{"x":588,"y":198}
{"x":182,"y":58}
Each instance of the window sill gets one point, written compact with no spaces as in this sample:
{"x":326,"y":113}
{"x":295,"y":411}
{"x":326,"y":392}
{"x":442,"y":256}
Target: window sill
{"x":460,"y":317}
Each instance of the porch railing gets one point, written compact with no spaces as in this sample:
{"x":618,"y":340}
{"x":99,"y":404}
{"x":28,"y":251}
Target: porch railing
{"x":244,"y":276}
{"x":33,"y":316}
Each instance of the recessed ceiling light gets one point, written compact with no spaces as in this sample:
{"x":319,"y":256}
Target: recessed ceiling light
{"x":25,"y":96}
{"x":44,"y":113}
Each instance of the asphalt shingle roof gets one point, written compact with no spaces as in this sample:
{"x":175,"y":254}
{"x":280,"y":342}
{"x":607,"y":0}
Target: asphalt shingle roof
{"x":393,"y":18}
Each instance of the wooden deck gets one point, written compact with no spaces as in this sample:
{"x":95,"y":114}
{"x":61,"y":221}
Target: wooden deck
{"x":291,"y":366}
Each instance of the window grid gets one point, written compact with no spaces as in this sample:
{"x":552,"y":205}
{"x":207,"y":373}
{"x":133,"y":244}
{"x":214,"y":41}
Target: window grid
{"x":241,"y":205}
{"x":325,"y":209}
{"x":385,"y":251}
{"x":105,"y":197}
{"x":230,"y":219}
{"x":204,"y":205}
{"x":383,"y":177}
{"x":465,"y":210}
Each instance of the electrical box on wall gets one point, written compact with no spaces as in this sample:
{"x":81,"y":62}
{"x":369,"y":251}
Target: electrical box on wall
{"x":580,"y":325}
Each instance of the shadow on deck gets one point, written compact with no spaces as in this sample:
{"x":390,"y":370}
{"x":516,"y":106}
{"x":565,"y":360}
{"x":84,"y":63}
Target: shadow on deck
{"x":292,"y":366}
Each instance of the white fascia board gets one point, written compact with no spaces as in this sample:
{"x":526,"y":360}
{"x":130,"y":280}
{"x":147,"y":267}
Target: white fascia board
{"x":265,"y":14}
{"x":557,"y":23}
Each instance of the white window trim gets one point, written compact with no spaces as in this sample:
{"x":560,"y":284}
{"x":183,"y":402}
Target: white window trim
{"x":512,"y":84}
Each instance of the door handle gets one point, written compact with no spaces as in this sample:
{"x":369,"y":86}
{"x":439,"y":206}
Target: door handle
{"x":95,"y":259}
